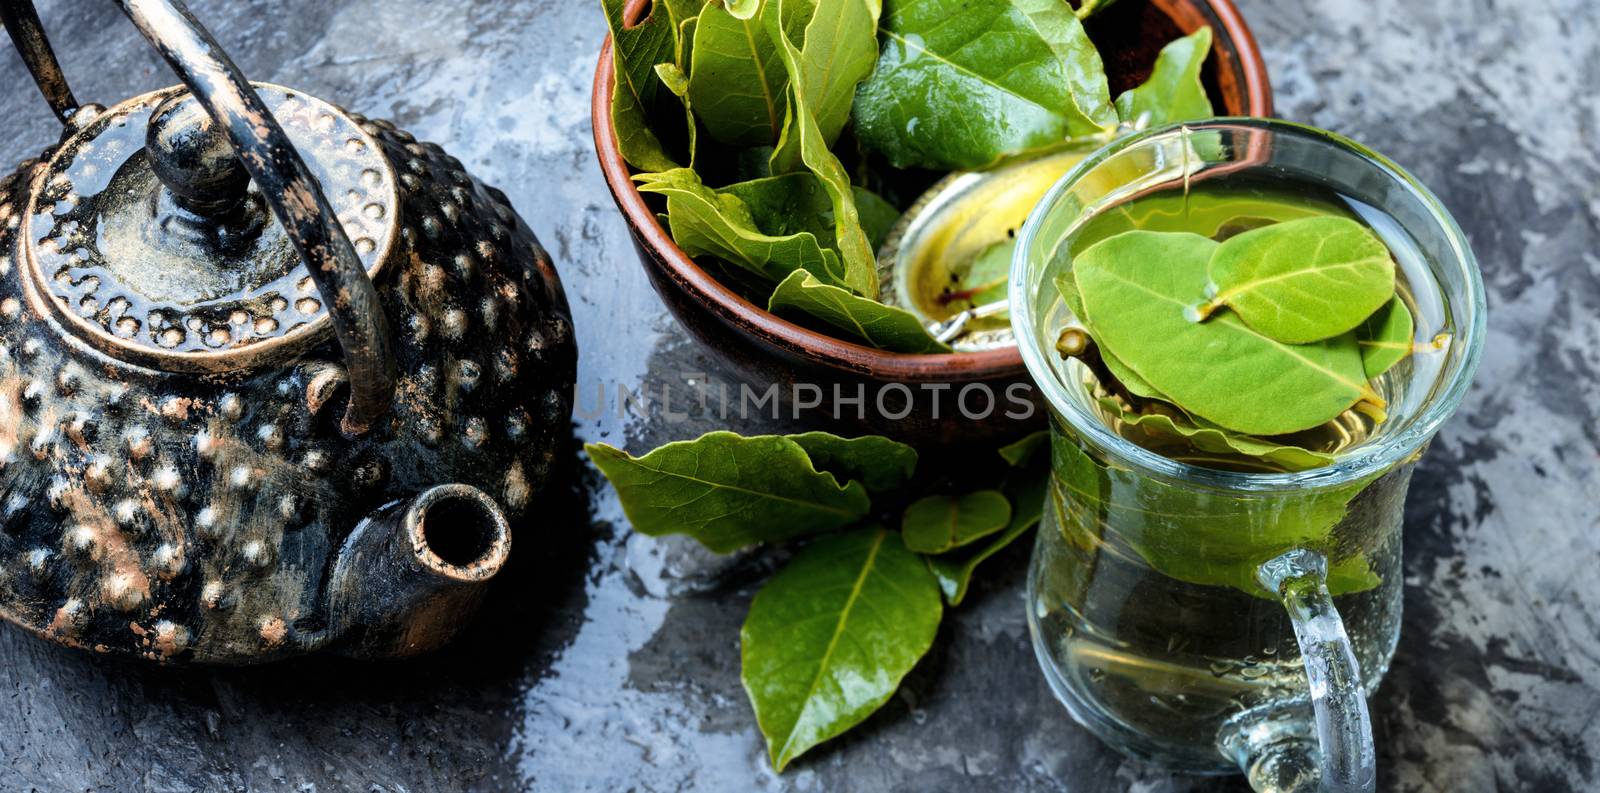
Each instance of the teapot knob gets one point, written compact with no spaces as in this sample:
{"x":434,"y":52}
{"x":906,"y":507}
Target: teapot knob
{"x":193,"y":158}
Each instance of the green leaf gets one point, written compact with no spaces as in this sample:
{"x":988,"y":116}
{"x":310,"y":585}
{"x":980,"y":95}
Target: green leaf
{"x":831,"y":635}
{"x":1302,"y":280}
{"x":728,"y":491}
{"x":803,"y":142}
{"x":879,"y":463}
{"x":837,"y":51}
{"x":1214,"y":214}
{"x":954,"y":570}
{"x":1173,"y":92}
{"x":1089,"y":8}
{"x":1200,"y":535}
{"x":983,"y":280}
{"x":798,"y":202}
{"x":1386,"y":337}
{"x":707,"y":223}
{"x":1158,"y":427}
{"x":635,"y":52}
{"x":738,"y":82}
{"x":1025,"y":450}
{"x":965,"y":83}
{"x":938,"y":523}
{"x":884,"y":327}
{"x":1138,"y":288}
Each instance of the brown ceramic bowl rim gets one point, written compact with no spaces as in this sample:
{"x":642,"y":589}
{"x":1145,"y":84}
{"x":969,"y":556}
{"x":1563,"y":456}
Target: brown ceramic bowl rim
{"x":803,"y":342}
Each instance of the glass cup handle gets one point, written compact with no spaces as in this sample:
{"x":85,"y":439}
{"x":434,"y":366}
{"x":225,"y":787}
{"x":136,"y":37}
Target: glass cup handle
{"x":1279,"y":758}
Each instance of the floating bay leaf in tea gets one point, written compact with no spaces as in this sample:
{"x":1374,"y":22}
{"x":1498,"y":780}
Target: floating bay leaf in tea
{"x":965,"y":83}
{"x":1173,"y":92}
{"x":729,"y":491}
{"x":1138,"y":289}
{"x":1386,"y":337}
{"x":1154,"y":427}
{"x":938,"y":523}
{"x":830,"y":636}
{"x":884,"y":327}
{"x":877,"y":462}
{"x":1302,"y":280}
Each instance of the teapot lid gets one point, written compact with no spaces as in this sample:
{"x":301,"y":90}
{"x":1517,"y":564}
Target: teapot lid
{"x":146,"y":237}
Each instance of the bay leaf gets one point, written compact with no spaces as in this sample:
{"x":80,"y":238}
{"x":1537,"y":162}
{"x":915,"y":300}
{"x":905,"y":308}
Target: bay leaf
{"x":1089,"y":8}
{"x":707,"y":223}
{"x":1217,"y":440}
{"x":803,"y":142}
{"x":1173,"y":91}
{"x":962,"y":84}
{"x":729,"y":491}
{"x":1209,"y":213}
{"x":1302,"y":280}
{"x":837,"y":52}
{"x":984,"y":279}
{"x":798,"y":202}
{"x":884,"y":327}
{"x":881,"y":464}
{"x":938,"y":523}
{"x":634,"y":53}
{"x":1025,"y":450}
{"x":830,"y":636}
{"x":1386,"y":337}
{"x":738,"y":82}
{"x":954,"y":570}
{"x":1138,"y":288}
{"x":1131,"y":380}
{"x":1199,"y":535}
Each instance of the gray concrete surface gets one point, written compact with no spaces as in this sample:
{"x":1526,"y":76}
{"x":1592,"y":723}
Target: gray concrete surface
{"x":610,"y":662}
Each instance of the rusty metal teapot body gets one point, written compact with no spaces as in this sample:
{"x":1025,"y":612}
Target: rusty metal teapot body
{"x":274,"y":377}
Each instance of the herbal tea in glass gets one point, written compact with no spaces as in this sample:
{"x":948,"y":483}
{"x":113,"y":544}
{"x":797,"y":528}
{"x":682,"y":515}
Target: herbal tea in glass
{"x":1247,"y":331}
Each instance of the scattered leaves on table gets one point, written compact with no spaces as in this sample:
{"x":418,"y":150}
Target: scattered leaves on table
{"x":938,"y":523}
{"x":880,"y":464}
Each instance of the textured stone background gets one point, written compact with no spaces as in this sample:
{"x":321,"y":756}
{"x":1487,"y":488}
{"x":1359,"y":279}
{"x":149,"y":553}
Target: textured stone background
{"x":610,"y":662}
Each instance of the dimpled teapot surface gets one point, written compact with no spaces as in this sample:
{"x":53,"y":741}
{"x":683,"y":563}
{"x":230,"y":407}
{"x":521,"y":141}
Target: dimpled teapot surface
{"x":274,"y":377}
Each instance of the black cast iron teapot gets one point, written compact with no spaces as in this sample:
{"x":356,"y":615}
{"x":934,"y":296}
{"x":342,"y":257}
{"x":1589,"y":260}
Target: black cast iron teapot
{"x":274,"y":377}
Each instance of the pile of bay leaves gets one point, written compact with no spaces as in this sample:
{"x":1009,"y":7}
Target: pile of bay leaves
{"x":772,"y":130}
{"x":1238,"y":345}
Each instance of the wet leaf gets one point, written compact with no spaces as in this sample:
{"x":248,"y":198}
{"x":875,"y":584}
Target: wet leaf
{"x":1173,"y":92}
{"x":1137,"y":288}
{"x":954,"y":570}
{"x":738,"y":82}
{"x":798,"y":202}
{"x":729,"y":491}
{"x":678,"y":83}
{"x":1207,"y":438}
{"x":879,"y":463}
{"x":831,"y":635}
{"x":836,"y":52}
{"x":804,"y":143}
{"x":1302,"y":280}
{"x":965,"y":83}
{"x":881,"y":326}
{"x":938,"y":523}
{"x":707,"y":223}
{"x":635,"y":52}
{"x":1386,"y":337}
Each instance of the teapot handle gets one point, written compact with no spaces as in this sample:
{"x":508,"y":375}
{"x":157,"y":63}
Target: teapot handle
{"x":271,"y":160}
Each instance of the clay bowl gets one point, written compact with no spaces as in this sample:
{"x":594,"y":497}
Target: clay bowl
{"x":915,"y":398}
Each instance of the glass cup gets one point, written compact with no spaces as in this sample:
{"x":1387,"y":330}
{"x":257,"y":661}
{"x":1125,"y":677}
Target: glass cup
{"x":1213,"y":620}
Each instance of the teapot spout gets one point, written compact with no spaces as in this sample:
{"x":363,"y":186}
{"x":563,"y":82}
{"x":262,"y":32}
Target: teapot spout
{"x":409,"y":573}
